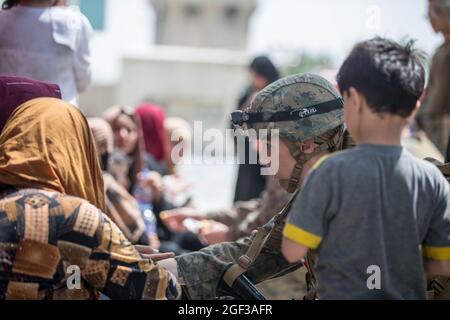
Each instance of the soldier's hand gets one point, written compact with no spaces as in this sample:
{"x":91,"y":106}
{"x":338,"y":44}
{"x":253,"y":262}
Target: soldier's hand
{"x":148,"y":252}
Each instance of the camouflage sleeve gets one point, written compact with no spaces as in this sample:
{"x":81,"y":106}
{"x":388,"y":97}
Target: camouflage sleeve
{"x":201,"y":272}
{"x":273,"y":199}
{"x":227,"y":217}
{"x":235,"y":218}
{"x":246,"y":216}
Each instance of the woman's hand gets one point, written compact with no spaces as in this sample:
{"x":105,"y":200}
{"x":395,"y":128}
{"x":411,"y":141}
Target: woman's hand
{"x":154,"y":181}
{"x":153,"y":240}
{"x":148,"y":252}
{"x":173,"y":219}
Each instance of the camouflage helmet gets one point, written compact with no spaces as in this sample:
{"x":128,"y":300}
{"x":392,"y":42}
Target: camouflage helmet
{"x":301,"y":107}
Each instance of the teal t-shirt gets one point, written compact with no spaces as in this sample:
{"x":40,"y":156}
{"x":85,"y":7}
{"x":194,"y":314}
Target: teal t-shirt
{"x":372,"y":213}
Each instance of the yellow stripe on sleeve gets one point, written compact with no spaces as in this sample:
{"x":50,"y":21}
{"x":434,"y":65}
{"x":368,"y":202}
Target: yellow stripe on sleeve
{"x":436,"y":253}
{"x":323,"y":158}
{"x":301,"y":236}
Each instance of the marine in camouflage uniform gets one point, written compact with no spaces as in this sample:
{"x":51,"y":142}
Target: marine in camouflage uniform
{"x":317,"y":107}
{"x":246,"y":216}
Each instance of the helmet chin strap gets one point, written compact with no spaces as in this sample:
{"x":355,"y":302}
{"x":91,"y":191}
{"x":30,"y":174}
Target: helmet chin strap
{"x":292,"y":184}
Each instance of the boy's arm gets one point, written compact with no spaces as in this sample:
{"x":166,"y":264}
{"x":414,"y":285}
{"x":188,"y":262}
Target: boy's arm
{"x":436,"y":245}
{"x":434,"y":268}
{"x":293,"y":251}
{"x":307,"y":221}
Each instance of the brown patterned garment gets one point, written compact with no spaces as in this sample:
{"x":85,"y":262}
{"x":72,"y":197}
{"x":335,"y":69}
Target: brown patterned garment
{"x":123,"y":209}
{"x":43,"y":233}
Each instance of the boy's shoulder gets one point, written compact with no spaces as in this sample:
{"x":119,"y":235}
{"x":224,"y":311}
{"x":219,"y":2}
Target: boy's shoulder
{"x":356,"y":159}
{"x":336,"y":159}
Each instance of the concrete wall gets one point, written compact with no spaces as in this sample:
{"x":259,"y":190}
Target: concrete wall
{"x":97,"y":98}
{"x":203,"y":23}
{"x":195,"y":84}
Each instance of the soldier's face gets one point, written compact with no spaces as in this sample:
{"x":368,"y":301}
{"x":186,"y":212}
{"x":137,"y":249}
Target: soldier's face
{"x":284,"y":158}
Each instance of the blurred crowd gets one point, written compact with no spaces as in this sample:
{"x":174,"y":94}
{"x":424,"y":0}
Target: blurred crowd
{"x":42,"y":55}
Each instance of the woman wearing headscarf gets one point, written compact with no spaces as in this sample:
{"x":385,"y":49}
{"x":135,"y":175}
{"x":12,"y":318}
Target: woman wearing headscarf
{"x":127,"y":164}
{"x":156,"y":144}
{"x":250,"y":183}
{"x":51,"y":204}
{"x":127,"y":159}
{"x":122,"y":208}
{"x":16,"y":90}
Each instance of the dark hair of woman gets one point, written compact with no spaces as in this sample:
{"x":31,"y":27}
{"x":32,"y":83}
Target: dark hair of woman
{"x":8,"y":4}
{"x":265,"y":68}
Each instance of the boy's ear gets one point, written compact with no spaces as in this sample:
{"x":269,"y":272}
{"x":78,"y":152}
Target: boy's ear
{"x":355,"y":98}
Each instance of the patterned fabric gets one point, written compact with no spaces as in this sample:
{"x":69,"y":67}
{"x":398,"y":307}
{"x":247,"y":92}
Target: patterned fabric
{"x":46,"y":144}
{"x":44,"y":234}
{"x":123,"y":209}
{"x":103,"y":135}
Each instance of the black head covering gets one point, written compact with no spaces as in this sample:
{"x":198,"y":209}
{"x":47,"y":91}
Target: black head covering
{"x":265,"y":68}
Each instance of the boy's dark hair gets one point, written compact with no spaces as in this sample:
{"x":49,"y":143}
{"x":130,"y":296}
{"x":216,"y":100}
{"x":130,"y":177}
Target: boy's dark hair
{"x":390,"y":76}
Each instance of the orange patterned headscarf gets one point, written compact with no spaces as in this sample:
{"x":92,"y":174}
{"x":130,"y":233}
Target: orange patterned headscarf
{"x":47,"y":144}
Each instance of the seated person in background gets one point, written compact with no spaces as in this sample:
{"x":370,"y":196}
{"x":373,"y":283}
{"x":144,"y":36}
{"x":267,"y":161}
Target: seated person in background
{"x":156,"y":145}
{"x":127,"y":165}
{"x":127,"y":160}
{"x":51,"y":214}
{"x":178,"y":133}
{"x":122,"y":208}
{"x":236,"y":222}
